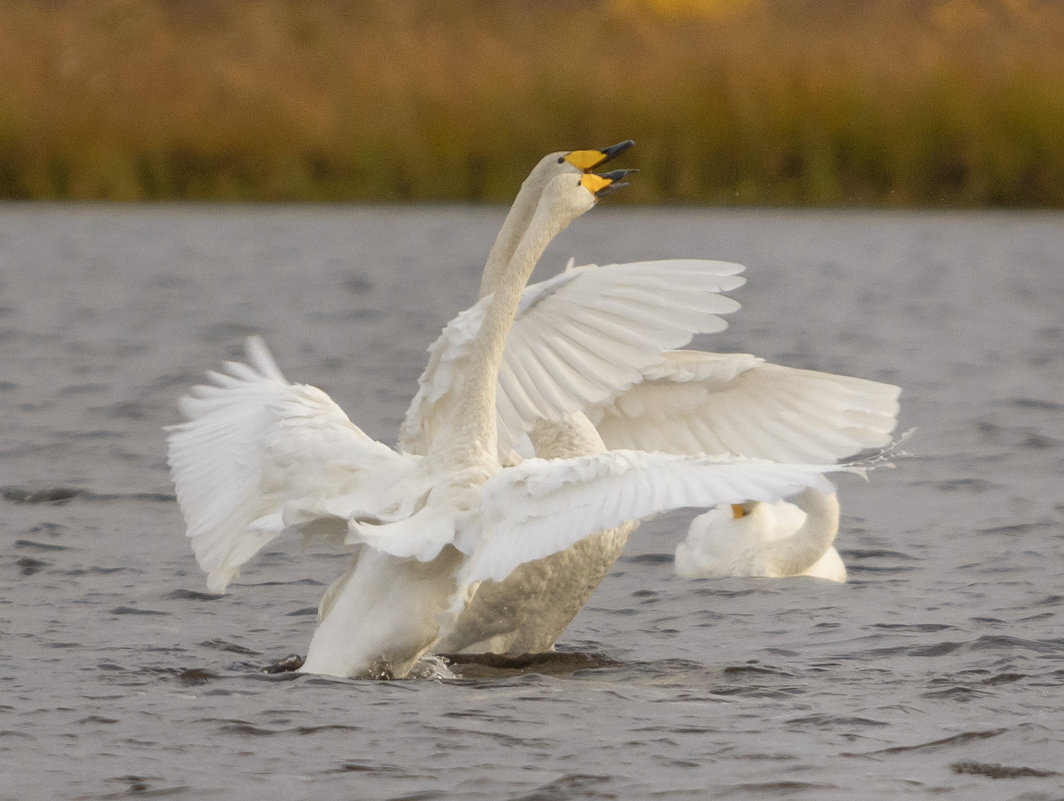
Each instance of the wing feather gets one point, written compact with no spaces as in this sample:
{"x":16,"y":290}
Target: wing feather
{"x":253,"y":442}
{"x":711,"y":403}
{"x":578,"y":339}
{"x":543,"y":506}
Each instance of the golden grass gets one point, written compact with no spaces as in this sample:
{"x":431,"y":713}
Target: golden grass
{"x":895,"y":102}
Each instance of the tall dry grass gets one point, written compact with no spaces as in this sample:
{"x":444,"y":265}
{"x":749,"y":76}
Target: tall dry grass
{"x":927,"y":102}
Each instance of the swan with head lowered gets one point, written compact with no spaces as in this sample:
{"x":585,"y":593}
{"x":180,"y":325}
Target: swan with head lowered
{"x":771,"y":540}
{"x":425,"y":529}
{"x":737,"y":403}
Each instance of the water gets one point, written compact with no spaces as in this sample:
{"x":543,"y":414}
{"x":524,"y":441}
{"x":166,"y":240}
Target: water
{"x":936,"y":671}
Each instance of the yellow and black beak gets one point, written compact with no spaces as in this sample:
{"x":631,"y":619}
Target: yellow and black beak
{"x":605,"y":184}
{"x":587,"y":160}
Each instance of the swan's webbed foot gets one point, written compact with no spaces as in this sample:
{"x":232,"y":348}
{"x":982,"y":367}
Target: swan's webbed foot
{"x":289,"y":664}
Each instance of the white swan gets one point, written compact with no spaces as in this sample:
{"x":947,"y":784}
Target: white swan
{"x":427,"y":529}
{"x":615,"y":321}
{"x":765,"y":539}
{"x":737,"y":403}
{"x":559,"y":366}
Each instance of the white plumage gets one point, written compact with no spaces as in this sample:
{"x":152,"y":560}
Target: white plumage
{"x":259,"y":455}
{"x":772,"y":540}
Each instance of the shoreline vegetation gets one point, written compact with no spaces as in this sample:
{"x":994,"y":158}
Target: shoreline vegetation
{"x":894,"y":103}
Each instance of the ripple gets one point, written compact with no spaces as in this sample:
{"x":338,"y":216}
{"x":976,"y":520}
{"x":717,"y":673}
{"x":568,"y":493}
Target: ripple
{"x":131,"y":610}
{"x":959,"y":693}
{"x":976,"y":486}
{"x":879,"y":553}
{"x":994,"y":771}
{"x":1036,"y":403}
{"x":824,"y":720}
{"x":998,"y":642}
{"x":55,"y":496}
{"x":28,"y":567}
{"x":190,"y":595}
{"x":572,"y":785}
{"x":933,"y":745}
{"x":230,"y":647}
{"x":552,"y":663}
{"x":776,"y":789}
{"x":245,"y":729}
{"x":40,"y":546}
{"x":915,"y":627}
{"x":49,"y":495}
{"x":143,"y":787}
{"x":195,"y":677}
{"x":648,"y":559}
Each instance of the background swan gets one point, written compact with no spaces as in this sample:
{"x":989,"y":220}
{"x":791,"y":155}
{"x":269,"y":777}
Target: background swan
{"x":765,"y":539}
{"x":738,"y":403}
{"x":427,"y":529}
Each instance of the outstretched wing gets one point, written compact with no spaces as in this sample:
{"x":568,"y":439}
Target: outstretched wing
{"x":543,"y":506}
{"x":578,"y":339}
{"x":710,"y":403}
{"x":251,"y":442}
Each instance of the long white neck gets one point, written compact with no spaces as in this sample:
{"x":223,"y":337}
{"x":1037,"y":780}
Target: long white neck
{"x":469,"y":436}
{"x":796,"y":553}
{"x":514,"y":226}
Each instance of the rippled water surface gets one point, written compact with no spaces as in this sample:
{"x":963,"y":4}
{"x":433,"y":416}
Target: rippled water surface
{"x":936,"y":672}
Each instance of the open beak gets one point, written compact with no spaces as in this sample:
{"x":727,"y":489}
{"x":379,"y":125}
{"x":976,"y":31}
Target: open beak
{"x":587,"y":160}
{"x":601,"y":185}
{"x":615,"y":178}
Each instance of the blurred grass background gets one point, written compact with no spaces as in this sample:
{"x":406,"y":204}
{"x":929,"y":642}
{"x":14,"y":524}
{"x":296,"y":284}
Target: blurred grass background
{"x":737,"y":102}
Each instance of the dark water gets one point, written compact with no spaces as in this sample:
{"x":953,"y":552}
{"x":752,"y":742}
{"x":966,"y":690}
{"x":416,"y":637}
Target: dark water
{"x":936,"y":672}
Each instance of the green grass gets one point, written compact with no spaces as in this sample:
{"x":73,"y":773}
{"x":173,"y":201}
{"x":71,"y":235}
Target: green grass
{"x":852,"y":102}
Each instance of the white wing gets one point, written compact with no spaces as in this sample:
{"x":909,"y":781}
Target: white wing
{"x":694,"y":403}
{"x":252,"y":442}
{"x":543,"y":506}
{"x":578,"y":338}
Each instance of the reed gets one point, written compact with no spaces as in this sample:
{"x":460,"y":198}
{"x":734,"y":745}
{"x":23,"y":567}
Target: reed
{"x":870,"y":102}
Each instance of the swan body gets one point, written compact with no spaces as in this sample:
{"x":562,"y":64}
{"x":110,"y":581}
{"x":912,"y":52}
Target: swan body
{"x":425,"y":529}
{"x":773,"y":540}
{"x":527,"y":611}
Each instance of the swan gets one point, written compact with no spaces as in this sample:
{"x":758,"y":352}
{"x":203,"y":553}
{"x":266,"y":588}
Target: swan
{"x":683,"y":402}
{"x":765,"y":539}
{"x":259,"y":456}
{"x":664,"y":302}
{"x":697,"y":402}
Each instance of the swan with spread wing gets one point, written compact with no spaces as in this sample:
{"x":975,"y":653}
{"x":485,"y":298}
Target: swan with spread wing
{"x":587,"y":367}
{"x":259,"y":456}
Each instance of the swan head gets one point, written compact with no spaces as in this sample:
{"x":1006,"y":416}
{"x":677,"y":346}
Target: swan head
{"x":571,"y":162}
{"x":566,"y":197}
{"x":587,"y":160}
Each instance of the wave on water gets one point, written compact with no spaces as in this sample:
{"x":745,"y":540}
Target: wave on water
{"x":60,"y":495}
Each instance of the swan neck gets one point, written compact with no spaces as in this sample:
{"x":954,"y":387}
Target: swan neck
{"x":509,"y":236}
{"x":470,"y":436}
{"x":798,"y":552}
